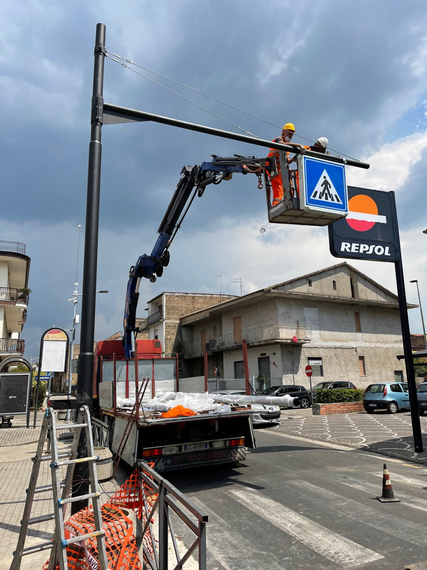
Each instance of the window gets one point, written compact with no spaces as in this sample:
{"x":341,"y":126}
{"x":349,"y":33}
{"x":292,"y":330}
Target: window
{"x":395,"y":388}
{"x":317,"y":366}
{"x":352,"y":288}
{"x":237,"y":329}
{"x":334,"y":285}
{"x":362,"y":370}
{"x":239,"y":371}
{"x":309,"y":282}
{"x":264,"y":366}
{"x":357,"y":321}
{"x":398,"y":375}
{"x":156,"y":334}
{"x":203,"y":339}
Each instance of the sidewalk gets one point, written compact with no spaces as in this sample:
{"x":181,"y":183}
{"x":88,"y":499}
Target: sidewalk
{"x":387,"y":434}
{"x":17,"y":446}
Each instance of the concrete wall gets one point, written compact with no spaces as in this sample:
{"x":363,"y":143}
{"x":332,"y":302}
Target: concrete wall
{"x":175,"y":306}
{"x":4,"y":274}
{"x":344,"y":277}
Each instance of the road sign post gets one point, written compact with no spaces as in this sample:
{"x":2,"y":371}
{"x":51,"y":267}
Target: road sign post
{"x":309,"y":372}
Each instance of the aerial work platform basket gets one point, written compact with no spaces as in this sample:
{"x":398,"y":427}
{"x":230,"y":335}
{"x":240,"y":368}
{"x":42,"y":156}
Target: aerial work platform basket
{"x":313,"y":195}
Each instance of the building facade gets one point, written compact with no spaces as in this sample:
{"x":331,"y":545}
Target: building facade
{"x":165,"y":312}
{"x":338,"y":320}
{"x":14,"y":297}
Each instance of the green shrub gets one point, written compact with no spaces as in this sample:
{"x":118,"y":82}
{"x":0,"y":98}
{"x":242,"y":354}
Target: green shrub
{"x":41,"y":395}
{"x":340,"y":395}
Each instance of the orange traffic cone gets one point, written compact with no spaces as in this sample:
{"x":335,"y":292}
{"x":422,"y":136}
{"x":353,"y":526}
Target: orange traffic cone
{"x":388,"y":495}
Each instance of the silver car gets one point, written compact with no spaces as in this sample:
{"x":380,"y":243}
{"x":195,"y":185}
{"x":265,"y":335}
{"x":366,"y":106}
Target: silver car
{"x":422,"y":398}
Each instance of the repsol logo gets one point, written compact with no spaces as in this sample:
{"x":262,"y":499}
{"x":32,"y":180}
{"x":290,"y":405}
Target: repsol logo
{"x":379,"y":250}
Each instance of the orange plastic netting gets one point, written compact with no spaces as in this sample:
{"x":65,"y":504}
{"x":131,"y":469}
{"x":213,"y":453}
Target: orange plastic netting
{"x":120,"y":541}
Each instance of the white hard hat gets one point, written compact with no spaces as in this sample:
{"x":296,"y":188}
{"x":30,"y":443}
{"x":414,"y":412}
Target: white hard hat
{"x":322,"y":141}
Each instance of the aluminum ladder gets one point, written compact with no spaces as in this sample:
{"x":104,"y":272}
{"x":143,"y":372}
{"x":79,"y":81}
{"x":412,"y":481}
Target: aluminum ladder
{"x":59,"y":543}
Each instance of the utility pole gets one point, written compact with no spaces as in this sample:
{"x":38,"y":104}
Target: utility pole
{"x":238,"y":280}
{"x":421,"y":311}
{"x":220,"y":291}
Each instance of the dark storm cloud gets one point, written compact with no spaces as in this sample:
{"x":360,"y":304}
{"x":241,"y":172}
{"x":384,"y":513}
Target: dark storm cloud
{"x":345,"y":70}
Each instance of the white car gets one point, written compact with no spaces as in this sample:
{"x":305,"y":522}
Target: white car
{"x":265,"y":414}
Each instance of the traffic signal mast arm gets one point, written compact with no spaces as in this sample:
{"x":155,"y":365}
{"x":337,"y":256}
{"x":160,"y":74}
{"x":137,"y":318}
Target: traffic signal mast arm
{"x":193,"y":180}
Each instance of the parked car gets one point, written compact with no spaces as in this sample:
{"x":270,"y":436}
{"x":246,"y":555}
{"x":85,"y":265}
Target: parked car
{"x":265,"y":414}
{"x":422,"y":398}
{"x":295,"y":391}
{"x":337,"y":384}
{"x":390,"y":396}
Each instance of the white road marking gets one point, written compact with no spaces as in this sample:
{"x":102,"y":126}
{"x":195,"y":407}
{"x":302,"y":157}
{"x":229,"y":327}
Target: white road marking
{"x":323,"y":541}
{"x":353,"y":510}
{"x":230,"y":549}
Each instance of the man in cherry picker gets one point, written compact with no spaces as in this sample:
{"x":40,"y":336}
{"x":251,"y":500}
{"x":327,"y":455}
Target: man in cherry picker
{"x":288,"y":132}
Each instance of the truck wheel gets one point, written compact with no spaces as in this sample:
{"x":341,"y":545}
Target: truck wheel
{"x":392,"y":408}
{"x":305,"y":403}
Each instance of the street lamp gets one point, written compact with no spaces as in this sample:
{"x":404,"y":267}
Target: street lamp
{"x":421,"y":311}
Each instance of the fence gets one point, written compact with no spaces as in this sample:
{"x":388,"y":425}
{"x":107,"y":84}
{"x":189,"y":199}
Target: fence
{"x":167,"y":513}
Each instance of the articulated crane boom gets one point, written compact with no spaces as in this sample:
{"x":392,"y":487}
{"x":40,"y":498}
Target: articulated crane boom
{"x":192,"y":178}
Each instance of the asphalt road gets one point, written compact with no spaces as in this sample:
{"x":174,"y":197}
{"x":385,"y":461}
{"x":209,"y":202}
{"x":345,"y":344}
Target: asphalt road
{"x":298,"y":504}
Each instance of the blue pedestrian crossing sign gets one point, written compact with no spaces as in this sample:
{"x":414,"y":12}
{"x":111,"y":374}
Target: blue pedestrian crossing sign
{"x":322,"y":186}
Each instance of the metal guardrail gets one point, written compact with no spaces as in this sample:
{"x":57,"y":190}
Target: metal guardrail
{"x":14,"y":246}
{"x":172,"y":508}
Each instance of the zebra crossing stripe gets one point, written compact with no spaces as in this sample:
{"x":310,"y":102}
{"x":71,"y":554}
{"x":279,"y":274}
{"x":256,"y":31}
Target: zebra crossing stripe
{"x":402,"y":529}
{"x":229,"y":548}
{"x":322,"y":540}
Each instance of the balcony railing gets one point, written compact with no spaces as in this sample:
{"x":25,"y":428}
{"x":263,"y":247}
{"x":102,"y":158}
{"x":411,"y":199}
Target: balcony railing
{"x":253,"y":335}
{"x":13,"y":294}
{"x":11,"y":345}
{"x":14,"y":246}
{"x":154,"y":317}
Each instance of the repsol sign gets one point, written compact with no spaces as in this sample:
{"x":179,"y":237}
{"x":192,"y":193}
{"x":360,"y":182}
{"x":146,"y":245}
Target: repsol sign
{"x":371,"y":250}
{"x":370,"y":229}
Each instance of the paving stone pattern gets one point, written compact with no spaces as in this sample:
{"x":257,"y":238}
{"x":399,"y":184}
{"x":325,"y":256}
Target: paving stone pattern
{"x":389,"y":434}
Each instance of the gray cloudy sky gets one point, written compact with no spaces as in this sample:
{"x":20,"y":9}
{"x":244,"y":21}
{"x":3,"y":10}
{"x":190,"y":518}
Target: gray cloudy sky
{"x":353,"y":71}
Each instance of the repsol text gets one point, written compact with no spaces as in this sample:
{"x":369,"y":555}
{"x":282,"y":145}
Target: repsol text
{"x":365,"y":248}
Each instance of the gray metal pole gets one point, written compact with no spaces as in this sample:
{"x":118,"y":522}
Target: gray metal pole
{"x":87,"y":334}
{"x":421,"y":312}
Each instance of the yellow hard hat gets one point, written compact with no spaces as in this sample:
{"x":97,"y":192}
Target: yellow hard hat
{"x":289,"y":127}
